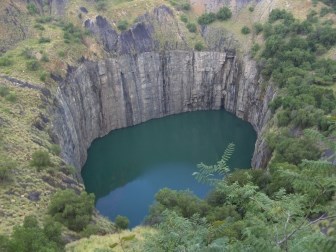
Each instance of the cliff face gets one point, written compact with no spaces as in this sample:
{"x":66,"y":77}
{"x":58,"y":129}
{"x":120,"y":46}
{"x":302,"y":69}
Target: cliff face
{"x":119,"y":92}
{"x":139,"y":81}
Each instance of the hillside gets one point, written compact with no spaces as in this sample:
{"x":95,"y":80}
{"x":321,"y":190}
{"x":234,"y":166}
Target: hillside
{"x":71,"y":71}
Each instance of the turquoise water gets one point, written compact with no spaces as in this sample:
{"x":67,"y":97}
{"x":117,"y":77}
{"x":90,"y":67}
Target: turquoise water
{"x":128,"y":166}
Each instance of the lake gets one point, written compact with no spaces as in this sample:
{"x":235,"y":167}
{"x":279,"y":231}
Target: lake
{"x":128,"y":166}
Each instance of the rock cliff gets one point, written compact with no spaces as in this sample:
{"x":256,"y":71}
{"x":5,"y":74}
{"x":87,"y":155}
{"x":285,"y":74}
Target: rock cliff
{"x":137,"y":83}
{"x":120,"y":92}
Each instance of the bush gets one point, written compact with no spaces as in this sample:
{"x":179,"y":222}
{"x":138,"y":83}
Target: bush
{"x":258,"y":28}
{"x":40,"y":159}
{"x":44,"y":40}
{"x":192,"y":27}
{"x":55,"y":149}
{"x":101,"y":5}
{"x":32,"y":9}
{"x":27,"y":53}
{"x":30,"y":237}
{"x":184,"y":18}
{"x":206,"y":18}
{"x":69,"y":170}
{"x":199,"y":46}
{"x":245,"y":30}
{"x":4,"y":91}
{"x":251,"y":8}
{"x":11,"y":97}
{"x":224,"y":14}
{"x":121,"y":222}
{"x":122,"y":25}
{"x":6,"y":166}
{"x":74,"y":211}
{"x":33,"y":65}
{"x":255,"y":49}
{"x":5,"y":61}
{"x":45,"y":58}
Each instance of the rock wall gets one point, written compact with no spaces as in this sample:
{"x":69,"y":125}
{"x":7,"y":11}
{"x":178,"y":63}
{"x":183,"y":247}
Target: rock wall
{"x":122,"y":91}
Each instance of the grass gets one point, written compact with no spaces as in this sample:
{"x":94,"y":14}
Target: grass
{"x":18,"y":140}
{"x":119,"y":242}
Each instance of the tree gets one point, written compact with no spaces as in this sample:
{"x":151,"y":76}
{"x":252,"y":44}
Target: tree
{"x":224,"y":14}
{"x":74,"y":211}
{"x":121,"y":222}
{"x":30,"y":237}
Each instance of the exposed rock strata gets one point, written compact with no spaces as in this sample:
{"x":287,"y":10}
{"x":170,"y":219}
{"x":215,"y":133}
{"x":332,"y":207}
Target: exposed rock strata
{"x":119,"y":92}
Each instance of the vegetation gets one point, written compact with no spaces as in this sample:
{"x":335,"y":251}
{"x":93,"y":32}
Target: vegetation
{"x":224,"y":14}
{"x":121,"y":222}
{"x":192,"y":27}
{"x":40,"y":159}
{"x":248,"y":210}
{"x":122,"y":25}
{"x":180,"y":4}
{"x":72,"y":210}
{"x":31,"y":237}
{"x":245,"y":30}
{"x":6,"y":167}
{"x":199,"y":46}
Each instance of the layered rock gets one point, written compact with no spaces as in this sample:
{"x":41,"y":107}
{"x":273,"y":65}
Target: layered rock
{"x":119,"y":92}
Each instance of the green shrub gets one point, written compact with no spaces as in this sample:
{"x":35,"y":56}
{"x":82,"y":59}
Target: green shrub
{"x":184,"y":18}
{"x":224,"y":14}
{"x":206,"y":18}
{"x":43,"y":76}
{"x":30,"y":237}
{"x":44,"y":19}
{"x":255,"y":49}
{"x":121,"y":222}
{"x":6,"y":167}
{"x":33,"y":65}
{"x":74,"y":211}
{"x":40,"y":159}
{"x":251,"y":8}
{"x":186,"y":6}
{"x":11,"y":97}
{"x":32,"y":9}
{"x":258,"y":28}
{"x":61,"y":54}
{"x":122,"y":25}
{"x":69,"y":170}
{"x":55,"y":149}
{"x":245,"y":30}
{"x":199,"y":46}
{"x":192,"y":27}
{"x":72,"y":34}
{"x":39,"y":27}
{"x":5,"y":61}
{"x":44,"y":40}
{"x":45,"y":57}
{"x":101,"y":5}
{"x":27,"y":53}
{"x":4,"y":91}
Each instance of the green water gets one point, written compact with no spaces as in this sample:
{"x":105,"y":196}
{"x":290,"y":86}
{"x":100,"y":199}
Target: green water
{"x":128,"y":166}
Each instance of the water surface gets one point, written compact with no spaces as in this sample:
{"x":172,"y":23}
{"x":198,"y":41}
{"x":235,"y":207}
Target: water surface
{"x":128,"y":166}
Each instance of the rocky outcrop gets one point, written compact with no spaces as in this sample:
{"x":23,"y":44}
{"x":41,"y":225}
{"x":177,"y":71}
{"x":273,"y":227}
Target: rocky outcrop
{"x":119,"y":92}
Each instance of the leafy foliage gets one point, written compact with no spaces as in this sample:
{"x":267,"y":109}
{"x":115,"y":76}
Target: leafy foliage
{"x":252,"y":211}
{"x":73,"y":210}
{"x":31,"y":237}
{"x":40,"y":159}
{"x":121,"y":222}
{"x":6,"y":167}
